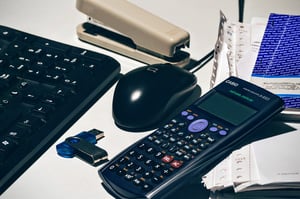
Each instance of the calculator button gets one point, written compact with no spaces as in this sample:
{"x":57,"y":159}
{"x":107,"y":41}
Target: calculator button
{"x":195,"y":151}
{"x":159,"y":132}
{"x":112,"y":167}
{"x":187,"y":147}
{"x":121,"y":172}
{"x":186,"y":157}
{"x":167,"y":159}
{"x":166,"y":136}
{"x":188,"y":137}
{"x":168,"y":126}
{"x":157,"y":167}
{"x":142,"y":146}
{"x":198,"y":125}
{"x":148,"y":174}
{"x":184,"y":113}
{"x":180,"y":133}
{"x":156,"y":179}
{"x":137,"y":181}
{"x":172,"y":139}
{"x":181,"y":124}
{"x":147,"y":187}
{"x":149,"y":162}
{"x":139,"y":169}
{"x":204,"y":145}
{"x":176,"y":164}
{"x":150,"y":150}
{"x":132,"y":153}
{"x":190,"y":117}
{"x":128,"y":176}
{"x":158,"y":142}
{"x":195,"y":141}
{"x":179,"y":153}
{"x":173,"y":149}
{"x":213,"y":129}
{"x":130,"y":165}
{"x":174,"y":121}
{"x":140,"y":157}
{"x":166,"y":172}
{"x":158,"y":154}
{"x":151,"y":138}
{"x":223,"y":132}
{"x":165,"y":145}
{"x":123,"y":160}
{"x":211,"y":140}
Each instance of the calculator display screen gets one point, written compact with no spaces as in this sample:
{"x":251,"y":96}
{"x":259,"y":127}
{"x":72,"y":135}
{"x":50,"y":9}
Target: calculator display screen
{"x":226,"y":108}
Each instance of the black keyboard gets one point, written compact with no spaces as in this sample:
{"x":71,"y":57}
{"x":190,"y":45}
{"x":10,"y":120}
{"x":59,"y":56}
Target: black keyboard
{"x":45,"y":86}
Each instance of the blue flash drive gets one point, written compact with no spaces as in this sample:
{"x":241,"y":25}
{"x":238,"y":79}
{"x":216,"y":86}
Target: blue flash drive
{"x":83,"y":146}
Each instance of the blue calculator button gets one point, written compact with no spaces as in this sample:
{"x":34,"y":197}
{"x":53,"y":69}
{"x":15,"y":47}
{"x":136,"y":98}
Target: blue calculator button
{"x":198,"y":125}
{"x":190,"y":117}
{"x":184,"y":113}
{"x":213,"y":129}
{"x":223,"y":132}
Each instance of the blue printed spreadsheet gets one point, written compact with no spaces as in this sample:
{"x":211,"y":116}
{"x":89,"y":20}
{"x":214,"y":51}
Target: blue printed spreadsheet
{"x":277,"y":66}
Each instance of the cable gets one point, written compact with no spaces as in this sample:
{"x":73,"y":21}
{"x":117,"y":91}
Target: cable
{"x":204,"y":60}
{"x":201,"y":62}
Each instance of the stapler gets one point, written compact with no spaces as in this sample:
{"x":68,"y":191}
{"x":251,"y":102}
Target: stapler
{"x":127,"y":29}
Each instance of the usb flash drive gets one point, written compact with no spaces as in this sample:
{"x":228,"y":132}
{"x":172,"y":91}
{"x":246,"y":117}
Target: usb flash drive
{"x":83,"y":146}
{"x":87,"y":151}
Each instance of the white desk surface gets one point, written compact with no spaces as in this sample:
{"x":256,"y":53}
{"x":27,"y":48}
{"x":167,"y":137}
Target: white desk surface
{"x":52,"y":177}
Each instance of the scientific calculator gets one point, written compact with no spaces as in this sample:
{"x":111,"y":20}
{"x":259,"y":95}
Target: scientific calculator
{"x":198,"y":137}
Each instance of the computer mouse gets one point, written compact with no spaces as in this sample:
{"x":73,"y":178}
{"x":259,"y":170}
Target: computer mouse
{"x":146,"y":97}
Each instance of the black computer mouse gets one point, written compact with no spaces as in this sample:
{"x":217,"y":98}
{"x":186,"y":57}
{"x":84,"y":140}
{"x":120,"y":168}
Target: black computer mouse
{"x":146,"y":97}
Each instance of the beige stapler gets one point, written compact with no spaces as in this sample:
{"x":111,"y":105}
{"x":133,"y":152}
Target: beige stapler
{"x":127,"y":29}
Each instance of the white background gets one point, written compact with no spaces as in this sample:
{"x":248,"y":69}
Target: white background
{"x":52,"y":177}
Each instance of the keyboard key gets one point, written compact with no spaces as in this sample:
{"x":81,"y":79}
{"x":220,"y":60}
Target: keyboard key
{"x":17,"y":133}
{"x":7,"y":146}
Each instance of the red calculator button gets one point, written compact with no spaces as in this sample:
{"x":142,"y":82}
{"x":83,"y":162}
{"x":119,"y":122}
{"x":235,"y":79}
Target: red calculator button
{"x":167,"y":159}
{"x":176,"y":164}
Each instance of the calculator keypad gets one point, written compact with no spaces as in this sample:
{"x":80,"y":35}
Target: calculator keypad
{"x":167,"y":150}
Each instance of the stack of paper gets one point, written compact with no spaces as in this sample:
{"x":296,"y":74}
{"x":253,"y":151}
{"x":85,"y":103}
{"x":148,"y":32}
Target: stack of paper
{"x":236,"y":48}
{"x":260,"y":194}
{"x":265,"y":52}
{"x":271,"y":163}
